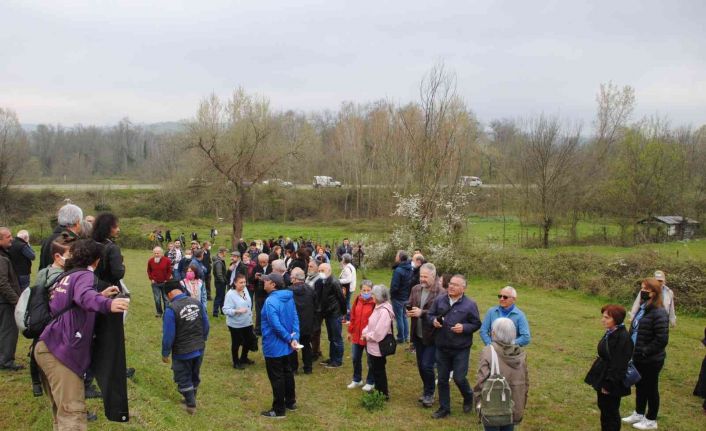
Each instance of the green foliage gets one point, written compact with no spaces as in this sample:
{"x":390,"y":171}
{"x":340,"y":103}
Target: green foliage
{"x":373,"y":400}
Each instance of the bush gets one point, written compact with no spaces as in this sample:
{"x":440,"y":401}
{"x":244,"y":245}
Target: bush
{"x":373,"y":400}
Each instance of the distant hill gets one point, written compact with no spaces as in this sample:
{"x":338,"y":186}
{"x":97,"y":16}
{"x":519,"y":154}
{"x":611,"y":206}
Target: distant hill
{"x":156,"y":128}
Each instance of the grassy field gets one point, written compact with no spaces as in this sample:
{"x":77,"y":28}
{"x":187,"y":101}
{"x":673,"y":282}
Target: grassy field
{"x":565,"y":331}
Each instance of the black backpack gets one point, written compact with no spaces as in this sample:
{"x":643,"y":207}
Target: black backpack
{"x":38,"y":314}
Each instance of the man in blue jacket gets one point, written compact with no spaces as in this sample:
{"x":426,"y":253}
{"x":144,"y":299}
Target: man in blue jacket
{"x":400,"y":288}
{"x":184,"y":333}
{"x":280,"y":337}
{"x":455,"y":318}
{"x":506,"y":308}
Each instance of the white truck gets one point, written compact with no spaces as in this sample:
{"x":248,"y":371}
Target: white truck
{"x":470,"y":181}
{"x":324,"y":181}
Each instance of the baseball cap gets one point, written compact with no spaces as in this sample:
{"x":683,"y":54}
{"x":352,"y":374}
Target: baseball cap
{"x":275,"y":278}
{"x":659,"y":275}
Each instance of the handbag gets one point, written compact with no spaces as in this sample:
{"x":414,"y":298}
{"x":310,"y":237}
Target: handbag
{"x":632,"y":376}
{"x":252,"y":342}
{"x":388,"y":345}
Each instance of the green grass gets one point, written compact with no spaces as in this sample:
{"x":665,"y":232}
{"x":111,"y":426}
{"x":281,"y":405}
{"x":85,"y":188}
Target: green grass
{"x":565,"y":330}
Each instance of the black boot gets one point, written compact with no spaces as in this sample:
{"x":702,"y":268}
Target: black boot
{"x":190,"y":398}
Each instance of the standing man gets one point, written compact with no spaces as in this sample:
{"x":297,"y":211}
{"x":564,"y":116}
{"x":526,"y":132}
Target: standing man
{"x":69,"y":218}
{"x":9,"y":295}
{"x":333,"y":307}
{"x":420,"y":300}
{"x":175,"y":256}
{"x":400,"y":287}
{"x":159,"y":271}
{"x":343,"y":249}
{"x":280,"y":336}
{"x":263,"y":268}
{"x":206,"y":261}
{"x":348,"y":281}
{"x":305,"y":300}
{"x":456,"y":319}
{"x":417,"y":262}
{"x":219,"y":280}
{"x":184,"y":334}
{"x":667,"y":300}
{"x":168,"y":235}
{"x":21,"y":256}
{"x":506,"y":308}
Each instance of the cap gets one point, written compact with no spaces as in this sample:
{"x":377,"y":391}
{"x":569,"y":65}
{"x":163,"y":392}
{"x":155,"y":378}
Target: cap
{"x":659,"y":275}
{"x":235,"y":253}
{"x":222,"y":249}
{"x":172,"y":285}
{"x":275,"y":278}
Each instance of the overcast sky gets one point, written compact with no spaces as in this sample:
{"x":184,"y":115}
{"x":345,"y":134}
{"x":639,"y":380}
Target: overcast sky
{"x":94,"y":62}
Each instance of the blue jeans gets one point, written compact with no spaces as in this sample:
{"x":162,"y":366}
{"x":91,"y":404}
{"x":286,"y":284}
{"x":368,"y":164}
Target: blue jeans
{"x":426,"y":359}
{"x":348,"y":303}
{"x":401,"y":320}
{"x":455,"y":360}
{"x":159,"y":297}
{"x":501,"y":428}
{"x":357,"y":355}
{"x":176,"y":275}
{"x":335,"y":340}
{"x":187,"y":373}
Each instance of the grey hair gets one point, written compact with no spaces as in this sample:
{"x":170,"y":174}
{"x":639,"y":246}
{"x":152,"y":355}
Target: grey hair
{"x":380,"y":293}
{"x":366,"y":283}
{"x":263,"y":256}
{"x":503,"y":331}
{"x":198,"y":253}
{"x":69,"y":215}
{"x":346,"y":258}
{"x":23,"y":234}
{"x":298,"y":273}
{"x":462,"y":277}
{"x":428,"y":267}
{"x":279,"y":266}
{"x":510,"y":289}
{"x":86,"y":229}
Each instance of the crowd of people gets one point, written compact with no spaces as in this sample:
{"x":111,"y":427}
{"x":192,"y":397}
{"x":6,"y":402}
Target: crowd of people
{"x":276,"y":295}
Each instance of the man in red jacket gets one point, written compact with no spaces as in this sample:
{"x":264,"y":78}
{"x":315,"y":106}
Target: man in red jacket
{"x":159,"y":271}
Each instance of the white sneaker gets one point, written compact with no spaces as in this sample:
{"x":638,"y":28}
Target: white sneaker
{"x":634,"y":418}
{"x":646,"y":424}
{"x":368,"y":387}
{"x":354,"y":385}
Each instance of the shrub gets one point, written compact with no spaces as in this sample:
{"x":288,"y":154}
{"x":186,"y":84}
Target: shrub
{"x":373,"y":400}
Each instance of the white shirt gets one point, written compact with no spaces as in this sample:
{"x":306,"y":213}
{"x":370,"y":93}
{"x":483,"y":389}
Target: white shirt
{"x":348,"y":276}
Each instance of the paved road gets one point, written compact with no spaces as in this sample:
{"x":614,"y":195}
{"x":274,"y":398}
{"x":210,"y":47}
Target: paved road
{"x":87,"y":186}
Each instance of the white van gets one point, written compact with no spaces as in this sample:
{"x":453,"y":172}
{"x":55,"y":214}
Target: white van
{"x":470,"y":181}
{"x":324,"y":181}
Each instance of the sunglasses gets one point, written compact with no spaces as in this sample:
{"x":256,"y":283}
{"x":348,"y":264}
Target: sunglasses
{"x":504,"y":297}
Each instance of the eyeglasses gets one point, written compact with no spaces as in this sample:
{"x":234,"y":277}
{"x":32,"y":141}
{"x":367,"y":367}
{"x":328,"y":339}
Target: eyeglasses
{"x":504,"y":297}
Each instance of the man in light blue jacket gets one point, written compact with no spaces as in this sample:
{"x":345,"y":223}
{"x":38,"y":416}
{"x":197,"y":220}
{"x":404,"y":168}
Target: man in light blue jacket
{"x":506,"y":308}
{"x":280,"y":337}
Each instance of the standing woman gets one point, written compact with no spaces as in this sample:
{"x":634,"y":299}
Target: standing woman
{"x":238,"y":311}
{"x":650,"y":333}
{"x":63,"y":352}
{"x":111,"y":269}
{"x":361,"y":310}
{"x":194,"y":285}
{"x":607,"y":373}
{"x":379,"y":325}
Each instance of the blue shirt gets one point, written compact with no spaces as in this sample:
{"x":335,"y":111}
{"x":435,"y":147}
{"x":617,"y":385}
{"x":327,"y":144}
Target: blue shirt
{"x":234,"y":301}
{"x":517,"y":317}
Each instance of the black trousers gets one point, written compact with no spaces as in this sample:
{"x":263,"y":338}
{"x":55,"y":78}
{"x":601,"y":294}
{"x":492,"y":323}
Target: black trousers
{"x":307,"y":355}
{"x":610,"y":412}
{"x":33,"y":366}
{"x":207,"y":283}
{"x":8,"y":334}
{"x":239,"y":338}
{"x":282,"y":381}
{"x":377,"y":365}
{"x":647,"y":389}
{"x":259,"y":303}
{"x":316,"y":336}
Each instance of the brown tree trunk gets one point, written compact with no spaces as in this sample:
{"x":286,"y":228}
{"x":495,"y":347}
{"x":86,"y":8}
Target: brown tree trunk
{"x":545,"y":232}
{"x":237,"y":214}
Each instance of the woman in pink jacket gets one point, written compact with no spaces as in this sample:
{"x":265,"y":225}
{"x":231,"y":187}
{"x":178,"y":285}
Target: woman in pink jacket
{"x":379,"y":325}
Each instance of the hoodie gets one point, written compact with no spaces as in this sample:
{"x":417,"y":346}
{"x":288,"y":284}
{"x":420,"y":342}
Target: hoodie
{"x":280,"y":324}
{"x":513,"y":366}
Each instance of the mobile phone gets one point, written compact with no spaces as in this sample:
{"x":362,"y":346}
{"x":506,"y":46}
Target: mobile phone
{"x":408,"y":307}
{"x":440,"y":319}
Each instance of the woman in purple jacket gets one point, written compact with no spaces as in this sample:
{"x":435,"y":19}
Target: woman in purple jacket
{"x":63,"y":352}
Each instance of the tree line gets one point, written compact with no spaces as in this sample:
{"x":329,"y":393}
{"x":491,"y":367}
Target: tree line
{"x":549,"y":171}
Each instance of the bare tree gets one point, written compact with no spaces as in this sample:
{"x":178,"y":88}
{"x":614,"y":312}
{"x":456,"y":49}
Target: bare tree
{"x":14,"y":150}
{"x":235,"y":138}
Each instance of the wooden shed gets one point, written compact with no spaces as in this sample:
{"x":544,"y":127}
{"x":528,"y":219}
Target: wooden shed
{"x":676,"y":227}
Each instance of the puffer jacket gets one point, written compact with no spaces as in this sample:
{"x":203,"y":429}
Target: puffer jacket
{"x":652,"y":336}
{"x":513,"y":366}
{"x":360,"y":313}
{"x":608,"y":371}
{"x":280,"y":324}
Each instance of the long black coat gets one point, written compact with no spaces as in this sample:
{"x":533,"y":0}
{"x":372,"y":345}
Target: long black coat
{"x":307,"y":304}
{"x":608,"y":371}
{"x":652,"y":336}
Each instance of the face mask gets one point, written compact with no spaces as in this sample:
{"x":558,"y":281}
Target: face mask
{"x":188,"y":256}
{"x":190,"y":276}
{"x":323,"y":275}
{"x":645,"y":296}
{"x":63,"y":260}
{"x":366,"y":296}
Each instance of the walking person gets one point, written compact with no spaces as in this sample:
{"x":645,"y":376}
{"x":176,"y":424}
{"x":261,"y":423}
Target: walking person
{"x":649,"y":332}
{"x":379,"y":325}
{"x":159,"y":271}
{"x":238,"y":311}
{"x":361,"y":310}
{"x":607,"y":373}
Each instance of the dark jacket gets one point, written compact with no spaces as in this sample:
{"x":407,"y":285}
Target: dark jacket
{"x":465,"y":312}
{"x":307,"y":304}
{"x":9,"y":284}
{"x":111,"y":268}
{"x":331,"y":298}
{"x":21,"y":255}
{"x":259,"y":284}
{"x":401,"y":283}
{"x":219,"y":271}
{"x":206,"y":262}
{"x":241,"y":268}
{"x":297,"y":263}
{"x":415,"y":298}
{"x":608,"y":370}
{"x":652,"y":336}
{"x":45,"y":257}
{"x":342,"y":249}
